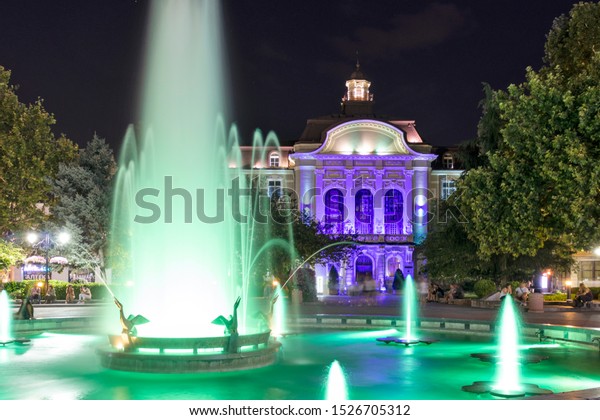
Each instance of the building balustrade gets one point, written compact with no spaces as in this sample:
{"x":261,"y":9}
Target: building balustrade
{"x":380,"y":238}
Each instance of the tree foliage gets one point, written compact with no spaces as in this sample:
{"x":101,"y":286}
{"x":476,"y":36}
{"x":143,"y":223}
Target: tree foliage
{"x":306,"y":238}
{"x":29,"y":153}
{"x":83,"y":192}
{"x":540,"y":190}
{"x":10,"y":254}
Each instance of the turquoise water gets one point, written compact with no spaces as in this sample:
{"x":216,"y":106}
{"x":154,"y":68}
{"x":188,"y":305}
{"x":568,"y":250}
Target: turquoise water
{"x":64,"y":366}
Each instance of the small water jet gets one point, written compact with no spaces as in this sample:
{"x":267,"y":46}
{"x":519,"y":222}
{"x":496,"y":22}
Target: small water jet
{"x":6,"y":335}
{"x":508,"y":359}
{"x":336,"y":388}
{"x":410,"y":306}
{"x":278,"y":316}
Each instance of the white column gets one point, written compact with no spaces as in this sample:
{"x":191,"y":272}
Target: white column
{"x":319,"y":201}
{"x":349,"y":198}
{"x":380,"y":268}
{"x":408,"y":202}
{"x":305,"y":186}
{"x":378,"y":203}
{"x":420,"y":204}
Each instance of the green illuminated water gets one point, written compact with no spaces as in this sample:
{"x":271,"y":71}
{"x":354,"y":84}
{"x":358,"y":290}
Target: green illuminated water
{"x":410,"y":308}
{"x":508,"y":375}
{"x":336,"y":387}
{"x":374,"y":371}
{"x":278,"y":321}
{"x":180,"y":255}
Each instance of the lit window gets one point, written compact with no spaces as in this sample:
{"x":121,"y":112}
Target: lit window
{"x":363,"y":222}
{"x":447,"y":161}
{"x":393,"y":209}
{"x":589,"y":270}
{"x":274,"y":188}
{"x":448,"y":186}
{"x":274,"y":160}
{"x":334,"y":211}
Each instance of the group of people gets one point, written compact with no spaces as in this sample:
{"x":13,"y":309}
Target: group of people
{"x":35,"y":294}
{"x":436,"y":293}
{"x":584,"y":295}
{"x":25,"y":311}
{"x":520,"y":294}
{"x":84,"y":294}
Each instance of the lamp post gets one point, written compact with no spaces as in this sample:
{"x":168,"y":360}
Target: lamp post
{"x":46,"y":244}
{"x":568,"y":283}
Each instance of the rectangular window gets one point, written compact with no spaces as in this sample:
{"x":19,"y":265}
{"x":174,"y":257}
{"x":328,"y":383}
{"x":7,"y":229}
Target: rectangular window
{"x":274,"y":188}
{"x":589,"y":270}
{"x":274,"y":161}
{"x":447,"y":161}
{"x":447,"y":187}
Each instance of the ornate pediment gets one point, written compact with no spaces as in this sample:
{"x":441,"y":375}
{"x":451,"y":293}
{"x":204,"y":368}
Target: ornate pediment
{"x":364,"y":137}
{"x":364,"y":140}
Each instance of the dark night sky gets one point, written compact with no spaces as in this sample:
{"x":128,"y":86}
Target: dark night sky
{"x":288,"y":60}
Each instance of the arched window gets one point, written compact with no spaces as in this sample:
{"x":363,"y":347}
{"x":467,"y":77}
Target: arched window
{"x":364,"y":268}
{"x":334,"y":211}
{"x":274,"y":160}
{"x":363,"y":222}
{"x":393,"y":209}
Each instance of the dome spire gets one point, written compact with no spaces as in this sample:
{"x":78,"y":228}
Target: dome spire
{"x":358,"y":99}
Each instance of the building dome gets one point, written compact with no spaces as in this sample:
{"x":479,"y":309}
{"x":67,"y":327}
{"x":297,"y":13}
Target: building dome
{"x":358,"y":74}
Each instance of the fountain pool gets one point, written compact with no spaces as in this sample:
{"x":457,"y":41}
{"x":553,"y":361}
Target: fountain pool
{"x":65,"y":366}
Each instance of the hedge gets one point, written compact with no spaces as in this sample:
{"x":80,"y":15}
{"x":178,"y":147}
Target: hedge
{"x":18,"y":289}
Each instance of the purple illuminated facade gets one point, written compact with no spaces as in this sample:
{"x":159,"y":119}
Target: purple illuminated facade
{"x":360,"y":173}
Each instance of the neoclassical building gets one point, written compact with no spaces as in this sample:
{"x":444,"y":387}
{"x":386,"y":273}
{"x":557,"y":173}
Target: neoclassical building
{"x":360,"y":173}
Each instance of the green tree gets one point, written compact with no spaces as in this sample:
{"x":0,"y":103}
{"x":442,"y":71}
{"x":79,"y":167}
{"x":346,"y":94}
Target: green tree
{"x":83,"y":194}
{"x":541,"y":189}
{"x":29,"y":153}
{"x":306,"y":239}
{"x":10,"y":254}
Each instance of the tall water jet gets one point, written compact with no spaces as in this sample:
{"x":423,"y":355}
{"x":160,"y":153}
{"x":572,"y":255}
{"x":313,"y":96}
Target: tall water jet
{"x":5,"y":319}
{"x":181,"y":229}
{"x":171,"y":217}
{"x":336,"y":387}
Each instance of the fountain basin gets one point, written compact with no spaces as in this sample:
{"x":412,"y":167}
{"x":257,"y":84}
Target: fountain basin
{"x":373,"y":372}
{"x":15,"y":340}
{"x":189,"y":354}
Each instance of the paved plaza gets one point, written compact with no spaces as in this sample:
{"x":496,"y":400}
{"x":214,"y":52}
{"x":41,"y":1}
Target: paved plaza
{"x":384,"y":304}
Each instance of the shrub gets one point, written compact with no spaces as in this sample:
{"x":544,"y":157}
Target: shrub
{"x":398,"y":279}
{"x":18,"y":289}
{"x":484,"y":288}
{"x":305,"y":281}
{"x":333,"y":282}
{"x":556,"y":297}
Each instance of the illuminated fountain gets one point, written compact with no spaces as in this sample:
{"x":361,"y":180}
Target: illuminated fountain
{"x":5,"y":319}
{"x":6,"y":334}
{"x":336,"y":388}
{"x":278,"y":313}
{"x":180,"y":226}
{"x":409,"y":303}
{"x":508,"y":360}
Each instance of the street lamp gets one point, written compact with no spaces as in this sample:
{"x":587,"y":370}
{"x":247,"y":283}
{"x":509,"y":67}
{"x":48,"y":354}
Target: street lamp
{"x":46,"y":244}
{"x":568,"y":283}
